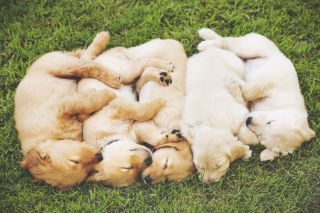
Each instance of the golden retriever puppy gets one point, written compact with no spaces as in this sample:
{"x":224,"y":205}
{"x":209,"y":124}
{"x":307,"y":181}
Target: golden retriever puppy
{"x":47,"y":111}
{"x":212,"y":116}
{"x":278,"y":114}
{"x":171,"y":161}
{"x":110,"y":129}
{"x":165,"y":126}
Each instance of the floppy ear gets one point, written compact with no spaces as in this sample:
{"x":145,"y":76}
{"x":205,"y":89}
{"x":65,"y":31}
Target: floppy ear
{"x":237,"y":150}
{"x":307,"y":134}
{"x":33,"y":158}
{"x":179,"y":146}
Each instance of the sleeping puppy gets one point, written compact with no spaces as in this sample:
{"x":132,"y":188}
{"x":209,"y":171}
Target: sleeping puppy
{"x":278,"y":114}
{"x":171,"y":161}
{"x":47,"y":113}
{"x":165,"y":126}
{"x":212,"y":116}
{"x":110,"y":129}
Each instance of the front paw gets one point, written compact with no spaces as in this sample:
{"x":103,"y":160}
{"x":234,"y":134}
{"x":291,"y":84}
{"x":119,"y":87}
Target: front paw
{"x":167,"y":65}
{"x":102,"y":38}
{"x":165,"y":78}
{"x":267,"y":155}
{"x":114,"y":81}
{"x":175,"y":135}
{"x":248,"y":153}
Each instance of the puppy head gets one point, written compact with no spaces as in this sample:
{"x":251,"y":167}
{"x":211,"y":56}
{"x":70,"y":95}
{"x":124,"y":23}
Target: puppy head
{"x":282,"y":130}
{"x":61,"y":164}
{"x":123,"y":162}
{"x":213,"y":152}
{"x":172,"y":161}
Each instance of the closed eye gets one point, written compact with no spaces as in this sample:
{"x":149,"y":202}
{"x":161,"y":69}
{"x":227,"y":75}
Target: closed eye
{"x":126,"y":167}
{"x":269,"y":122}
{"x":166,"y":164}
{"x":75,"y":161}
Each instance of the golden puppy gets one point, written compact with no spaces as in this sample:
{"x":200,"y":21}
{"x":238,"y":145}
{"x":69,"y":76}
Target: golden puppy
{"x":171,"y":161}
{"x":110,"y":129}
{"x":47,"y":111}
{"x":165,"y":126}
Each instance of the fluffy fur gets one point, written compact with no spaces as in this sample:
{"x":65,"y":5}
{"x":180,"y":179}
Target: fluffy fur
{"x":48,"y":112}
{"x":159,"y":130}
{"x":212,"y":116}
{"x":110,"y":129}
{"x":278,"y":114}
{"x":171,"y":161}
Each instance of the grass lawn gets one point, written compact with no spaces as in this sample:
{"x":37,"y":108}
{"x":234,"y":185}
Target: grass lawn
{"x":30,"y":28}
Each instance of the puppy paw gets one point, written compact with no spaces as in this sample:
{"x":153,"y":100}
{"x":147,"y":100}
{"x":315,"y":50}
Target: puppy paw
{"x":175,"y":135}
{"x":267,"y":155}
{"x":167,"y":65}
{"x":165,"y":78}
{"x":114,"y":81}
{"x":102,"y":38}
{"x":248,"y":153}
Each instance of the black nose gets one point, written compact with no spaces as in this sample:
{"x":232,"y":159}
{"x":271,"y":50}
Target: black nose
{"x":147,"y":179}
{"x":248,"y":121}
{"x":148,"y":161}
{"x":99,"y":157}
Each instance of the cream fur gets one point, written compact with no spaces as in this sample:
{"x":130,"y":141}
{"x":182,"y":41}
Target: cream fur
{"x":212,"y":116}
{"x":124,"y":159}
{"x":48,"y":113}
{"x":278,"y":114}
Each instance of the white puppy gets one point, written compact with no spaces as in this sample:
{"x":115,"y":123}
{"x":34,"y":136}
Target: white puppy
{"x":278,"y":114}
{"x":212,"y":117}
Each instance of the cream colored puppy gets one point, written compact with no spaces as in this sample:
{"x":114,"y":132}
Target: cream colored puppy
{"x":165,"y":126}
{"x":278,"y":114}
{"x":212,"y":116}
{"x":48,"y":112}
{"x":110,"y":129}
{"x":171,"y":161}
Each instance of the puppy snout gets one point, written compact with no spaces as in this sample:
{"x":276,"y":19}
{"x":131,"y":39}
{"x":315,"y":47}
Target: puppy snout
{"x":99,"y":157}
{"x":249,"y":121}
{"x":209,"y":180}
{"x":148,"y":161}
{"x":148,"y":180}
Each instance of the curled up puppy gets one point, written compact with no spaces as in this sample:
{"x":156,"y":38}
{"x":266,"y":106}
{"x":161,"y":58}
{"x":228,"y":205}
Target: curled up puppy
{"x":48,"y":112}
{"x":110,"y":129}
{"x":278,"y":113}
{"x":172,"y":157}
{"x":212,"y":117}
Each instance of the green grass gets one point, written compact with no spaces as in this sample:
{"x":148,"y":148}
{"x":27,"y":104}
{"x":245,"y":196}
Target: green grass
{"x":30,"y":28}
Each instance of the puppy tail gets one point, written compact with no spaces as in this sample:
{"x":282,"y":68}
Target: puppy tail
{"x":208,"y":34}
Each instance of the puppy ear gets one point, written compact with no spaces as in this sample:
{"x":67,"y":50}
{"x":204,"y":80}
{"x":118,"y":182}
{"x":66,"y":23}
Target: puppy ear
{"x":237,"y":150}
{"x":33,"y":158}
{"x":24,"y":164}
{"x":179,"y":146}
{"x":307,"y":134}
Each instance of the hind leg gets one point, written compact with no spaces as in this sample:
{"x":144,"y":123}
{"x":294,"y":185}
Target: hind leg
{"x":97,"y":46}
{"x":159,"y":76}
{"x":250,"y":46}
